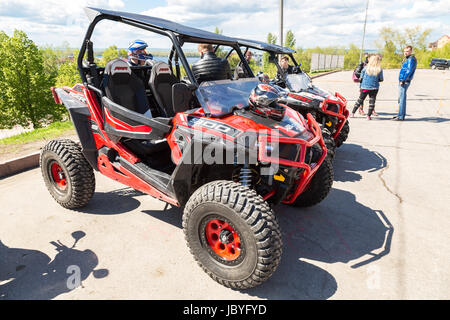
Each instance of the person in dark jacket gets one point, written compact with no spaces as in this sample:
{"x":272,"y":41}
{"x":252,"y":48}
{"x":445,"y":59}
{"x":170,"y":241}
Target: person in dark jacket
{"x":240,"y":71}
{"x":285,"y":67}
{"x":361,"y":65}
{"x":210,"y":67}
{"x":404,"y":78}
{"x":358,"y":71}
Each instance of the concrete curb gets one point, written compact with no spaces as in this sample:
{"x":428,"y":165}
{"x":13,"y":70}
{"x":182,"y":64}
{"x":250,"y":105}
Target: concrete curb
{"x":31,"y":161}
{"x":325,"y":73}
{"x":18,"y":165}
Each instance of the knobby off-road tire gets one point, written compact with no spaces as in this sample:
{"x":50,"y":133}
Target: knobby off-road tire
{"x":67,"y":174}
{"x":319,"y":186}
{"x":237,"y":208}
{"x":343,"y":135}
{"x":329,"y":142}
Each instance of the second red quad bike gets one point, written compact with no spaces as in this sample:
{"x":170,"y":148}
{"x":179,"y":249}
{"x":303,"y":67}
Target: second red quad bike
{"x":329,"y":110}
{"x":207,"y":147}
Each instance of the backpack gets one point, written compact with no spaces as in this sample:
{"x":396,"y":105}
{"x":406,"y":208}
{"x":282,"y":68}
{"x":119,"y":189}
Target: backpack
{"x":357,"y":72}
{"x":355,"y":77}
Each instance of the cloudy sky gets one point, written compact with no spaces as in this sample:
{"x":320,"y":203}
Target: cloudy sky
{"x":314,"y":23}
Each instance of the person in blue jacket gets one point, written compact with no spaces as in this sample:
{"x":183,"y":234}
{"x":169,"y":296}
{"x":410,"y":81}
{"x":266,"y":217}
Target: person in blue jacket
{"x":371,"y":76}
{"x":404,"y":78}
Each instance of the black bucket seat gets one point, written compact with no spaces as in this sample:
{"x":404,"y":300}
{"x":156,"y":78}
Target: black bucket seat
{"x":161,"y":82}
{"x":123,"y":87}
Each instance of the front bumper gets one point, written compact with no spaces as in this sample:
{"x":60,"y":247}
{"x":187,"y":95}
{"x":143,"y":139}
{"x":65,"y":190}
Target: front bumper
{"x":341,"y":115}
{"x":308,"y":169}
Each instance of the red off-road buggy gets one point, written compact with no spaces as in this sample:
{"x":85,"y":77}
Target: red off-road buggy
{"x":329,"y":110}
{"x":203,"y":149}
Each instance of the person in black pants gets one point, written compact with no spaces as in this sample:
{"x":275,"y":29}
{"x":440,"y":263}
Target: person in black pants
{"x":371,"y":76}
{"x":358,"y":71}
{"x":372,"y":93}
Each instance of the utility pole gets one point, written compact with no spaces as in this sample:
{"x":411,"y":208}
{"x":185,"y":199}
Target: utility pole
{"x":281,"y":22}
{"x":364,"y":32}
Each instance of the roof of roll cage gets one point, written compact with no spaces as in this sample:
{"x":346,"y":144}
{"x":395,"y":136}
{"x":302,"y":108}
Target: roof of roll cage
{"x":259,"y":45}
{"x":187,"y":33}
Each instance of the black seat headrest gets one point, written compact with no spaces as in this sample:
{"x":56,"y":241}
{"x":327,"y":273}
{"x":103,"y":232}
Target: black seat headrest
{"x":123,"y":87}
{"x":161,"y":81}
{"x":161,"y":68}
{"x":119,"y":70}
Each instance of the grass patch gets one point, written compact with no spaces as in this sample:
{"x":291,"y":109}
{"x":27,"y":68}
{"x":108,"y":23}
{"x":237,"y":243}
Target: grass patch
{"x":52,"y":131}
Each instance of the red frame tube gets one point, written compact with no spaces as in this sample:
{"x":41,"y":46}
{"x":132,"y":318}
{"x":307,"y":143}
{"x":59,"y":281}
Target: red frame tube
{"x":309,"y":171}
{"x":343,"y":112}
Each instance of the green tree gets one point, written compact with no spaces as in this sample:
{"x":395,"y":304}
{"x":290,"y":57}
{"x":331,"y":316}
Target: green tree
{"x":271,"y":38}
{"x":267,"y":67}
{"x":392,"y":41}
{"x":443,"y":52}
{"x":303,"y":56}
{"x":26,"y":96}
{"x":220,"y":52}
{"x":351,"y":57}
{"x":391,"y":58}
{"x":112,"y":53}
{"x":417,"y":37}
{"x":5,"y":113}
{"x":51,"y":61}
{"x":290,"y":40}
{"x":68,"y":74}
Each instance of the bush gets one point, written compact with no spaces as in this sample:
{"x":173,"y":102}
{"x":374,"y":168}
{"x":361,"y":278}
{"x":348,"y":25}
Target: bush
{"x":112,"y":53}
{"x":68,"y":74}
{"x":24,"y":84}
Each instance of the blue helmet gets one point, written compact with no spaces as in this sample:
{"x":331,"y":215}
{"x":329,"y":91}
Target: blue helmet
{"x":137,"y":45}
{"x":136,"y":50}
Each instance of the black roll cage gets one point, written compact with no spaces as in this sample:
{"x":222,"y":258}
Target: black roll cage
{"x":272,"y":49}
{"x":178,"y":39}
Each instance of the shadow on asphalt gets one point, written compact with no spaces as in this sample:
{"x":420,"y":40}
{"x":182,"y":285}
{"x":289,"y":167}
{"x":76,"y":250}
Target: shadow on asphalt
{"x":113,"y":202}
{"x":337,"y":230}
{"x":392,"y":114}
{"x":31,"y":274}
{"x":380,"y":115}
{"x":409,"y":118}
{"x":413,"y":99}
{"x":389,"y":115}
{"x":428,"y":119}
{"x":172,"y":215}
{"x":351,"y":158}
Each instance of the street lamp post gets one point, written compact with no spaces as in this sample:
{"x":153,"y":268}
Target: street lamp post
{"x":364,"y":32}
{"x":281,"y":22}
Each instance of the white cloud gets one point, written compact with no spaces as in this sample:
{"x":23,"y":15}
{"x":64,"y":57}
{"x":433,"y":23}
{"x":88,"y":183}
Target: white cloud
{"x":116,"y":4}
{"x":314,"y":23}
{"x":50,"y":21}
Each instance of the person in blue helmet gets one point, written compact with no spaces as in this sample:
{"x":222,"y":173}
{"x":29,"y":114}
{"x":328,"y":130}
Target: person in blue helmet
{"x":137,"y":55}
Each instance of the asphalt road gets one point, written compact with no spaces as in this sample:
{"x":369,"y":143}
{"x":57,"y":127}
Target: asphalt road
{"x":382,"y":233}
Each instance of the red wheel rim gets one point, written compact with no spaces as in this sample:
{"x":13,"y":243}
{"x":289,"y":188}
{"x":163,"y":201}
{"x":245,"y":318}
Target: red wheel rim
{"x":223,"y":239}
{"x":58,"y":176}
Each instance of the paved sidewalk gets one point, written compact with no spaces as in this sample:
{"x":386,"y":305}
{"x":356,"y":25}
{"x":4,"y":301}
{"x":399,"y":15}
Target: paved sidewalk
{"x":5,"y":133}
{"x":382,"y":232}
